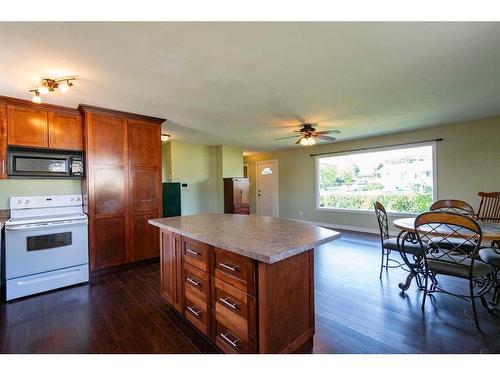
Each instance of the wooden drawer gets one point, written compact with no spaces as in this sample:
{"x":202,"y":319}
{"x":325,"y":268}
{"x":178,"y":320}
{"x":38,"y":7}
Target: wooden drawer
{"x":235,"y":270}
{"x":230,"y":338}
{"x":234,"y":304}
{"x":196,"y":283}
{"x":198,"y":313}
{"x":196,"y":253}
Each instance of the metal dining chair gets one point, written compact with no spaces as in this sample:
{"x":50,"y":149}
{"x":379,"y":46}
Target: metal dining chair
{"x":388,"y":243}
{"x":453,"y":206}
{"x":489,"y":207}
{"x":450,"y":243}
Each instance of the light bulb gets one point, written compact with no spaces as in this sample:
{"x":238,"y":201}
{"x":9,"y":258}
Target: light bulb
{"x":63,"y":87}
{"x":36,"y":99}
{"x":304,"y":141}
{"x":43,"y":90}
{"x":312,"y":141}
{"x":164,"y":137}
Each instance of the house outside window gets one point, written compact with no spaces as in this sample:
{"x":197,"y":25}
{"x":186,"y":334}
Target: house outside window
{"x":401,"y":178}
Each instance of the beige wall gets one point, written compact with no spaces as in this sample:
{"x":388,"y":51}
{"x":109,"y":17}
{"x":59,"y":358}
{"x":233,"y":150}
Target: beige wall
{"x":468,"y":161}
{"x":14,"y":187}
{"x":195,"y":165}
{"x":203,"y":168}
{"x":166,"y":166}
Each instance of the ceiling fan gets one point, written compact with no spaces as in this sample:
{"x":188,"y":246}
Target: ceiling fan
{"x":308,"y":134}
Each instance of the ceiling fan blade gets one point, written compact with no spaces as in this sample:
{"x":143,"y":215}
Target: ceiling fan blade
{"x":290,"y":136}
{"x":299,"y":140}
{"x":335,"y":131}
{"x":325,"y":137}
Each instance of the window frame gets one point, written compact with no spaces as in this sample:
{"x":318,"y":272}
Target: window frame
{"x":377,"y":149}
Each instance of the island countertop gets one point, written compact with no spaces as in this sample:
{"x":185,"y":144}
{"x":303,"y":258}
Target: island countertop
{"x":266,"y":239}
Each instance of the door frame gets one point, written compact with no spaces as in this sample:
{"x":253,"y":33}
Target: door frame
{"x":276,"y":163}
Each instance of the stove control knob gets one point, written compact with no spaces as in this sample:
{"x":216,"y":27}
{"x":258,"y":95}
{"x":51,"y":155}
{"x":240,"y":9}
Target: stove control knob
{"x":72,"y":199}
{"x":26,"y":201}
{"x":19,"y":201}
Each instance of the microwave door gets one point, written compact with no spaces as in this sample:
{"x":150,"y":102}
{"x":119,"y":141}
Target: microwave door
{"x":40,"y":166}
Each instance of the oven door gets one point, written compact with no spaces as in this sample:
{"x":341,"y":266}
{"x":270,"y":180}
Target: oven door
{"x":38,"y":165}
{"x":34,"y":250}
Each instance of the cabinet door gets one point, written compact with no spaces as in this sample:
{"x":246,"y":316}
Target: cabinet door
{"x":109,"y":246}
{"x":27,"y":127}
{"x":237,"y":193}
{"x":171,"y":269}
{"x":145,"y":237}
{"x":109,"y":190}
{"x":144,"y":144}
{"x":145,"y":190}
{"x":65,"y":131}
{"x":108,"y":140}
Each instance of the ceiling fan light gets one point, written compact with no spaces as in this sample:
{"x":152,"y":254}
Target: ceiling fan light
{"x":312,"y":141}
{"x":304,"y":141}
{"x":43,"y":90}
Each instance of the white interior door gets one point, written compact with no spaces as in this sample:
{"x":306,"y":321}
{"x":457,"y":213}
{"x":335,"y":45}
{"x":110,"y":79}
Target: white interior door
{"x":267,"y":188}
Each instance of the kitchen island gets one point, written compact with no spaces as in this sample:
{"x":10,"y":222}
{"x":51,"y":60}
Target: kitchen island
{"x":245,"y":282}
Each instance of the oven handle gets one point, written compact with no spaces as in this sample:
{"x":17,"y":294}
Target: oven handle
{"x":44,"y":226}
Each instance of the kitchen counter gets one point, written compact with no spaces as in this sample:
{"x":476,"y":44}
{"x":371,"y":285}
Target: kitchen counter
{"x":246,"y":282}
{"x":262,"y":238}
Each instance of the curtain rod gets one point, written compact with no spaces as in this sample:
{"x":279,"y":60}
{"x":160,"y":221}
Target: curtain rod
{"x":371,"y":148}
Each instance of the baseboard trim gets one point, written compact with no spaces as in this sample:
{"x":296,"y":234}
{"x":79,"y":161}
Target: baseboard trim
{"x":340,"y":227}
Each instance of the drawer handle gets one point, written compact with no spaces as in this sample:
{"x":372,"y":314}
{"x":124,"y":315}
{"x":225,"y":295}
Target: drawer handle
{"x":193,"y":281}
{"x":226,"y":302}
{"x":192,"y":252}
{"x":147,"y":200}
{"x":233,"y":343}
{"x":193,"y":311}
{"x":229,"y":267}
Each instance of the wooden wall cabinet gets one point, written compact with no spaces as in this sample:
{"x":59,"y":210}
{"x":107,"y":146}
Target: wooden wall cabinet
{"x":65,"y":131}
{"x":236,"y":198}
{"x":122,"y":187}
{"x":27,"y":127}
{"x":43,"y":126}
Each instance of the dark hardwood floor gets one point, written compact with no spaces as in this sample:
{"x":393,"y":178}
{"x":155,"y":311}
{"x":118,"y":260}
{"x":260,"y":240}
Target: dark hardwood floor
{"x":355,"y":313}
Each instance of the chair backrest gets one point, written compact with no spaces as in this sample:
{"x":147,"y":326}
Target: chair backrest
{"x":489,"y":207}
{"x":448,"y":237}
{"x":383,"y":223}
{"x":453,"y":206}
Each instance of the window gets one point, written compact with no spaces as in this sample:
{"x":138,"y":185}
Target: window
{"x":402,"y":179}
{"x":266,"y":171}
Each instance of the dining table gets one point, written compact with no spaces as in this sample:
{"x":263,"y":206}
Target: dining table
{"x":490,"y":232}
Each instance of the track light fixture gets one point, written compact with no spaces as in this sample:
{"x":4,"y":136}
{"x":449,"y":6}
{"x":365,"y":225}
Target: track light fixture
{"x":48,"y":85}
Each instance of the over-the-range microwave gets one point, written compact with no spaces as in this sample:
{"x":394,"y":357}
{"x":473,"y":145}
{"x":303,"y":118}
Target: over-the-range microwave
{"x":44,"y":163}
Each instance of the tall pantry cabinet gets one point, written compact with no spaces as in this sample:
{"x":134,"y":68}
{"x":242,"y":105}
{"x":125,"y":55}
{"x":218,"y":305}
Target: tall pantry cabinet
{"x":122,"y":187}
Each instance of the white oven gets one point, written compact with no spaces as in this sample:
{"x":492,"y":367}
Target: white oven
{"x":45,"y":247}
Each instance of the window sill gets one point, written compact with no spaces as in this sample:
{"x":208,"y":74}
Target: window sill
{"x":366,"y":212}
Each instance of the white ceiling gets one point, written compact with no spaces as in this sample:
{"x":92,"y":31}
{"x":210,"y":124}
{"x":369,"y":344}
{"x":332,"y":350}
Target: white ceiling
{"x":242,"y":83}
